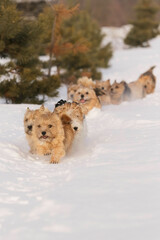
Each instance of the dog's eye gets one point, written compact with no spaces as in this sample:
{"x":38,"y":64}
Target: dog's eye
{"x":79,"y":93}
{"x":39,"y":126}
{"x":49,"y":125}
{"x":74,"y":90}
{"x":87,"y":93}
{"x":102,"y":88}
{"x":117,"y":87}
{"x":26,"y":120}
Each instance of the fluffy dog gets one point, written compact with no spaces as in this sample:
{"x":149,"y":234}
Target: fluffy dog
{"x":87,"y":98}
{"x":119,"y":92}
{"x":72,"y":110}
{"x":49,"y":136}
{"x":71,"y":91}
{"x":29,"y":118}
{"x":148,"y":79}
{"x":104,"y":86}
{"x":122,"y":91}
{"x":102,"y":91}
{"x":86,"y":82}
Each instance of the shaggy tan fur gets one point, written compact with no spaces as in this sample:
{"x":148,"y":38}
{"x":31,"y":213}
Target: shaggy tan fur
{"x":86,"y":82}
{"x":48,"y":136}
{"x":87,"y":98}
{"x":105,"y":99}
{"x":69,"y":132}
{"x":148,"y":79}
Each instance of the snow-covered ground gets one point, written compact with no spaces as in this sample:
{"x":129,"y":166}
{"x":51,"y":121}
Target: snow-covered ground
{"x":109,"y":190}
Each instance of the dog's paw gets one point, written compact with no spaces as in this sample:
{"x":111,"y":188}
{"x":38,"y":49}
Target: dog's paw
{"x":54,"y":161}
{"x":47,"y":154}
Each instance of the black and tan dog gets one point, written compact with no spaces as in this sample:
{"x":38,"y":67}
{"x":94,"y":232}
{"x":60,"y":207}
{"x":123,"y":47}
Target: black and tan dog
{"x":120,"y":92}
{"x":102,"y":91}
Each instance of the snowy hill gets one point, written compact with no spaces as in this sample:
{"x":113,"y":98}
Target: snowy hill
{"x":108,"y":190}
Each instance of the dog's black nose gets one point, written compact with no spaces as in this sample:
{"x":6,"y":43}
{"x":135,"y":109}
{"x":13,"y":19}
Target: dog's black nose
{"x":82,"y":96}
{"x":30,"y":127}
{"x":75,"y":128}
{"x":43,"y":133}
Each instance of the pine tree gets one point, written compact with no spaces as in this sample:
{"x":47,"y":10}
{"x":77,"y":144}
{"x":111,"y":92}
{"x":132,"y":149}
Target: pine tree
{"x":145,"y":26}
{"x":20,"y":43}
{"x":77,"y":47}
{"x":82,"y":28}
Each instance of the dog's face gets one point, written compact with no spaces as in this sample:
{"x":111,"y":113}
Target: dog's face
{"x":148,"y":83}
{"x":71,"y":91}
{"x":47,"y":127}
{"x":103,"y":85}
{"x":29,"y":118}
{"x":117,"y":89}
{"x":28,"y":121}
{"x":74,"y":111}
{"x":76,"y":116}
{"x":84,"y":95}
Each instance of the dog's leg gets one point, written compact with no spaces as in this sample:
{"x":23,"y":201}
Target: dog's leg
{"x":58,"y":151}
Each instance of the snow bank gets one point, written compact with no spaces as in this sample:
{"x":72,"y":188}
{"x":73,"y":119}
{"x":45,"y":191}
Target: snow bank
{"x":108,"y":190}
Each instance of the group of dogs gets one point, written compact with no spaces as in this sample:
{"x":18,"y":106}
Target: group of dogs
{"x":53,"y":133}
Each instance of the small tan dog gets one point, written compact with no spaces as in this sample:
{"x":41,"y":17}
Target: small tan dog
{"x":87,"y":98}
{"x":119,"y":92}
{"x":49,"y":136}
{"x":102,"y":91}
{"x":71,"y":91}
{"x":86,"y":82}
{"x":103,"y":85}
{"x":29,"y":118}
{"x":122,"y":91}
{"x":148,"y":79}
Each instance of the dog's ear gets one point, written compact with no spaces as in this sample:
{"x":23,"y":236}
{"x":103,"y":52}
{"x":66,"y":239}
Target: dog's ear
{"x":28,"y":109}
{"x":66,"y":119}
{"x":115,"y":81}
{"x":42,"y":108}
{"x":108,"y":81}
{"x":123,"y":82}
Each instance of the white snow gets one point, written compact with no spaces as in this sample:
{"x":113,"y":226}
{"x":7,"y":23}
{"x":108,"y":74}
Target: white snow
{"x":110,"y":190}
{"x":115,"y":35}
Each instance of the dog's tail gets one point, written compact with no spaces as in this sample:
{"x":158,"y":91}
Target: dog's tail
{"x":151,"y":69}
{"x":148,"y":72}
